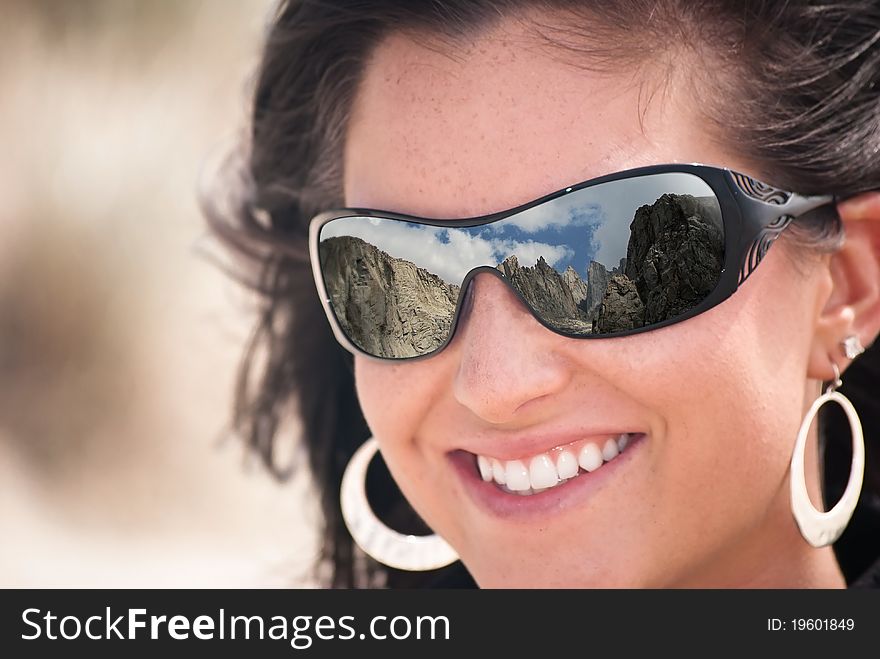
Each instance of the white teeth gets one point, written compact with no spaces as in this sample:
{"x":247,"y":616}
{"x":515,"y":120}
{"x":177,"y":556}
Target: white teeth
{"x":485,"y":468}
{"x":517,"y":476}
{"x":542,"y":472}
{"x":610,"y":450}
{"x":590,"y":458}
{"x":566,"y":465}
{"x":498,"y":472}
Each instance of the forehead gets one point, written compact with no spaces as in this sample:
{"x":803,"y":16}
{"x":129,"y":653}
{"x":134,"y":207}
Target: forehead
{"x":495,"y":122}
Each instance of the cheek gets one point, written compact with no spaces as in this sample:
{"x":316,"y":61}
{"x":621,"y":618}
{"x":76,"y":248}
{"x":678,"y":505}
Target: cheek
{"x":767,"y":342}
{"x":732,"y":396}
{"x":395,"y":399}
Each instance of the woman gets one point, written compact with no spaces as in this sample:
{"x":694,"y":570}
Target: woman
{"x":608,"y":378}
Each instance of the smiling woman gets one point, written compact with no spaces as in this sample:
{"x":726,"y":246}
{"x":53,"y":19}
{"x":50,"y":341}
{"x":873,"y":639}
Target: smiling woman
{"x":579,"y":356}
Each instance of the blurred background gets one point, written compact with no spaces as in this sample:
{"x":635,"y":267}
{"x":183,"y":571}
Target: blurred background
{"x":119,"y":339}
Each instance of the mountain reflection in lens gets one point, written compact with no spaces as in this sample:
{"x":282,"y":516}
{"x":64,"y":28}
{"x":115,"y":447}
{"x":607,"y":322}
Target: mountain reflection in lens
{"x":602,"y":260}
{"x":387,"y":306}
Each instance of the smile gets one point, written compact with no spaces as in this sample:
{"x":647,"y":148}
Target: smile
{"x":538,"y":473}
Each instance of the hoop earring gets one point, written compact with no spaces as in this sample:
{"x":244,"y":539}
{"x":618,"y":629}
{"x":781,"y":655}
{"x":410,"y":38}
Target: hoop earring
{"x":404,"y":552}
{"x":822,"y":528}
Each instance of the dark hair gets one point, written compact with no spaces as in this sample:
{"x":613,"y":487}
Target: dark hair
{"x":795,"y":88}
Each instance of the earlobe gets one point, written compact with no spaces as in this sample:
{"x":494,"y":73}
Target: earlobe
{"x":852,"y":306}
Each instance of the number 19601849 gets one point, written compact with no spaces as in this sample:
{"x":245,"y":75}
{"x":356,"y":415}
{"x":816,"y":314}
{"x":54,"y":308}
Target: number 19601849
{"x":811,"y":624}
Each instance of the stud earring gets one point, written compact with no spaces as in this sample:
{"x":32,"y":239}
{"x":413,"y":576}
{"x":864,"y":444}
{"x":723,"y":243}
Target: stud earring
{"x":852,"y":347}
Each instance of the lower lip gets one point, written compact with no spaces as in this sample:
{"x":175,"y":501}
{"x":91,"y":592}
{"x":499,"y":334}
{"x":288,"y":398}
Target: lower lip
{"x":575,"y":492}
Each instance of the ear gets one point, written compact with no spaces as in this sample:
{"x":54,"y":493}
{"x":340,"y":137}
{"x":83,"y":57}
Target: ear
{"x":853,"y":303}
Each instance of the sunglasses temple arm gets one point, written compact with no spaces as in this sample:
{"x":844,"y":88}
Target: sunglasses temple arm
{"x":770,"y":220}
{"x":798,"y":204}
{"x":772,"y":217}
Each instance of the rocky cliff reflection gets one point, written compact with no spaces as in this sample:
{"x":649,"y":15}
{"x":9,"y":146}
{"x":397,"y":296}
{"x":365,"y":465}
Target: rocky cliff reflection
{"x":387,"y":306}
{"x":673,"y":261}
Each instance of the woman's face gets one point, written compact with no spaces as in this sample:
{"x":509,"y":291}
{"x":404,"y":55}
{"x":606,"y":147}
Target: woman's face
{"x":718,"y":397}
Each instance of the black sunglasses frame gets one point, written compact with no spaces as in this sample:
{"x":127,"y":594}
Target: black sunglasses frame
{"x":753,"y":214}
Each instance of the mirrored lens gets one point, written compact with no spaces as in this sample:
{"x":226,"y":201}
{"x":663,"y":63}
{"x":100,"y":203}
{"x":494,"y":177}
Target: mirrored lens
{"x":601,"y":260}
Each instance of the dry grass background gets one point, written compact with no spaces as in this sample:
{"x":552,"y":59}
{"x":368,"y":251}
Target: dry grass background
{"x":118,"y":341}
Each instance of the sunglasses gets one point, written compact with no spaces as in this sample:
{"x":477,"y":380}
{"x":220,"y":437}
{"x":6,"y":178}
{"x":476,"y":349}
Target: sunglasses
{"x":616,"y":255}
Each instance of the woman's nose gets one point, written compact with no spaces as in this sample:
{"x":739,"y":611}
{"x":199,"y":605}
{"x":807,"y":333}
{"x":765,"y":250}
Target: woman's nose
{"x":507,"y":359}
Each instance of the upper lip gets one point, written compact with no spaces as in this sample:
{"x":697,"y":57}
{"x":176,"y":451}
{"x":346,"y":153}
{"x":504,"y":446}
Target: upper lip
{"x":514,"y":446}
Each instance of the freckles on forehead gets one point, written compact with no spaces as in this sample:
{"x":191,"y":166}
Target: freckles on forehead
{"x":487,"y":126}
